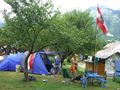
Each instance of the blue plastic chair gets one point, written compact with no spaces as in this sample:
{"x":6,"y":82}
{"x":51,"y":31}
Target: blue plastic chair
{"x":102,"y":82}
{"x":84,"y":82}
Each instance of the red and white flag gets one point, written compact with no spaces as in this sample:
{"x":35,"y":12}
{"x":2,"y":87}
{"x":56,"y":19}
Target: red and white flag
{"x":100,"y":22}
{"x":30,"y":61}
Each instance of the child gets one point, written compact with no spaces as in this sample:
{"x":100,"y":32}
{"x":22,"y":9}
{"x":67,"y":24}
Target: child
{"x":84,"y":81}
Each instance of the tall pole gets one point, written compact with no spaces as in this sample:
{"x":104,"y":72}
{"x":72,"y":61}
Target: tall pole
{"x":95,"y":46}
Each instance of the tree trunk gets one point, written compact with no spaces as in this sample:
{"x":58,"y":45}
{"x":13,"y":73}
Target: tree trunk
{"x":26,"y":67}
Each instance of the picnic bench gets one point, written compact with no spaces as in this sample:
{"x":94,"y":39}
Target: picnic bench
{"x":96,"y":76}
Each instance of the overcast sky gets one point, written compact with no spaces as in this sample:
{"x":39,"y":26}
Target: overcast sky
{"x":67,"y":5}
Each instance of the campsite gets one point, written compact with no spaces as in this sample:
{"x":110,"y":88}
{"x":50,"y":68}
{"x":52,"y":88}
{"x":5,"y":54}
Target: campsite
{"x":13,"y":80}
{"x":48,"y":46}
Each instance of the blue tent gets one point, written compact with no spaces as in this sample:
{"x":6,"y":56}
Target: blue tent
{"x":38,"y":65}
{"x":10,"y":62}
{"x":117,"y":68}
{"x":46,"y":61}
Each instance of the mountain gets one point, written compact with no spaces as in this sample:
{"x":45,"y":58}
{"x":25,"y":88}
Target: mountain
{"x":111,"y":18}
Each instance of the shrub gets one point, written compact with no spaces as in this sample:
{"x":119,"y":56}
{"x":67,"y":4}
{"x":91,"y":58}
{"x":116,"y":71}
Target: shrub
{"x":116,"y":79}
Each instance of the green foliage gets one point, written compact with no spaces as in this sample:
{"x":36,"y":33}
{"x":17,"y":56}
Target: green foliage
{"x":34,"y":25}
{"x":76,"y":34}
{"x":26,"y":28}
{"x":31,"y":18}
{"x":116,"y":79}
{"x":51,"y":59}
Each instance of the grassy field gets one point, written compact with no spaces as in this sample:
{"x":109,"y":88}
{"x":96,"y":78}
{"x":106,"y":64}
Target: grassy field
{"x":14,"y":81}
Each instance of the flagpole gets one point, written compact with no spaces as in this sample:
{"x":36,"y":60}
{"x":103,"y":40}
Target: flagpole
{"x":95,"y":47}
{"x":101,"y":24}
{"x":95,"y":44}
{"x":96,"y":29}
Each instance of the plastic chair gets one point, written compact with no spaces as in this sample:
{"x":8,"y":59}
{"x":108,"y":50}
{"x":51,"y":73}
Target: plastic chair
{"x":84,"y":82}
{"x":102,"y":82}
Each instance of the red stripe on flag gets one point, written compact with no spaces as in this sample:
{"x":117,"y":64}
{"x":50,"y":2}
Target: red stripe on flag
{"x":31,"y":61}
{"x":101,"y":26}
{"x":100,"y":22}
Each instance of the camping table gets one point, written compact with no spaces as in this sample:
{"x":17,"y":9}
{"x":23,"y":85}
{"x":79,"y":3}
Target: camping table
{"x":96,"y":76}
{"x":92,"y":76}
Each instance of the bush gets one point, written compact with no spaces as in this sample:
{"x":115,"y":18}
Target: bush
{"x":116,"y":79}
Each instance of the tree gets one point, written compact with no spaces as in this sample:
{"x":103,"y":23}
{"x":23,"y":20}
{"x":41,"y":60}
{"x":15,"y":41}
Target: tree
{"x":75,"y":33}
{"x":72,"y":32}
{"x":36,"y":25}
{"x":26,"y":23}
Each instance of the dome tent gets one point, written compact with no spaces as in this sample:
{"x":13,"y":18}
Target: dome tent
{"x":10,"y":62}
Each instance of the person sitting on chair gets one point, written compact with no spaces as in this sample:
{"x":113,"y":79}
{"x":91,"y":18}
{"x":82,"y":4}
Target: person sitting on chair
{"x":57,"y":63}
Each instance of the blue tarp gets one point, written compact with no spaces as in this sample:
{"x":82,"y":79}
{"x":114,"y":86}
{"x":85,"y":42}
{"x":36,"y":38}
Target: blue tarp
{"x":117,"y":74}
{"x":117,"y":65}
{"x":117,"y":68}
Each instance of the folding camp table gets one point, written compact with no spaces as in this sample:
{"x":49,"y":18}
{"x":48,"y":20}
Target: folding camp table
{"x":97,"y":77}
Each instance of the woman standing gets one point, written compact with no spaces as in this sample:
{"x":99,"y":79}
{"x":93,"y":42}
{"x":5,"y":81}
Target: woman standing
{"x":74,"y":65}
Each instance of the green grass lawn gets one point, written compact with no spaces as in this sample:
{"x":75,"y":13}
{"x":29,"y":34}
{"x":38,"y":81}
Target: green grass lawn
{"x":14,"y":81}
